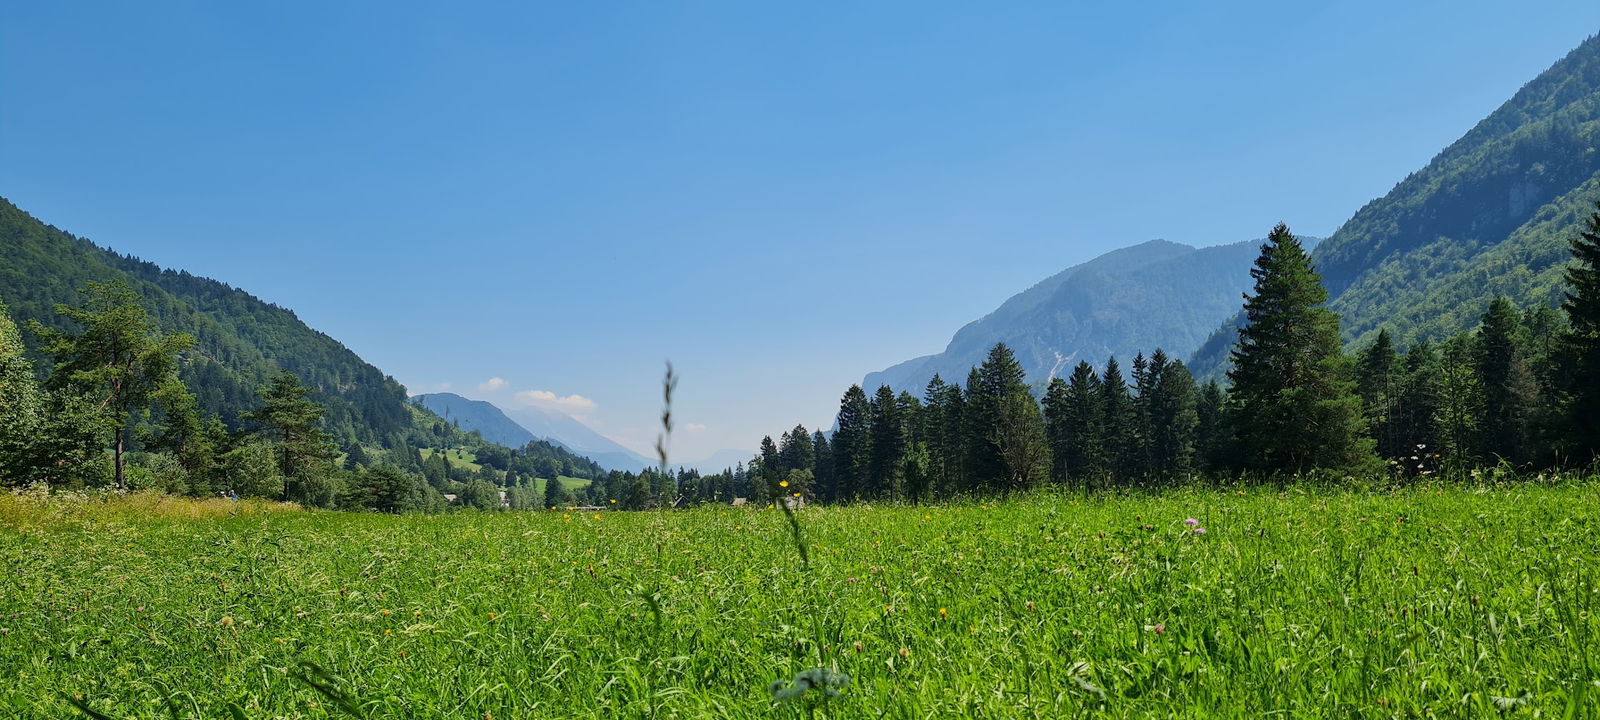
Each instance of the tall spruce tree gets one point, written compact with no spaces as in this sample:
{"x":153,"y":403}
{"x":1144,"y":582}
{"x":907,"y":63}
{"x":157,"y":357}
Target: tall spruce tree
{"x":1083,"y":418}
{"x":1173,"y":417}
{"x":1378,"y":384}
{"x":852,"y":445}
{"x":1118,"y":439}
{"x":888,"y":445}
{"x":989,"y":390}
{"x":1293,"y":397}
{"x":822,"y":465}
{"x":1510,"y":391}
{"x":1213,"y":435}
{"x":1058,"y":428}
{"x":1582,"y":347}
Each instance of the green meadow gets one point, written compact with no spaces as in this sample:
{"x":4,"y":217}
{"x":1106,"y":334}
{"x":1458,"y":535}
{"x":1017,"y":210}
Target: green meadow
{"x":1431,"y":601}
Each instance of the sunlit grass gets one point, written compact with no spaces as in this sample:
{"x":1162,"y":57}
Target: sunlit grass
{"x":1444,"y":602}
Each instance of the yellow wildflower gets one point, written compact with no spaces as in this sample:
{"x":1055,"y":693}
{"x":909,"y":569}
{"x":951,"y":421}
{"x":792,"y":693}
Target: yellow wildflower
{"x":783,"y":483}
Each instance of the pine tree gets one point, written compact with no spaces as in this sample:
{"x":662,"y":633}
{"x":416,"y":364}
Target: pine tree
{"x":1213,"y":439}
{"x":990,"y":392}
{"x":888,"y":445}
{"x":1173,"y":417}
{"x":1458,"y":417}
{"x":1582,"y":346}
{"x":555,"y":494}
{"x":1117,"y":434}
{"x":1378,"y":383}
{"x":1082,"y":416}
{"x":772,"y":471}
{"x":1416,"y":405}
{"x":796,"y":451}
{"x":293,"y":421}
{"x":1294,"y":402}
{"x":1510,"y":391}
{"x":1058,"y":429}
{"x":852,"y":446}
{"x":197,"y":441}
{"x":822,"y":465}
{"x":118,"y":359}
{"x":1144,"y":380}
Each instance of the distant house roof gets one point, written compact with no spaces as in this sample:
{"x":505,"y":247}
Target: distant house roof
{"x":449,"y":497}
{"x":740,"y":501}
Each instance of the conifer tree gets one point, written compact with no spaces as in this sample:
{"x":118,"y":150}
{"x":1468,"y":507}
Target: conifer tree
{"x":1057,"y":428}
{"x":1173,"y":417}
{"x":822,"y":465}
{"x":1417,"y":402}
{"x":293,"y":421}
{"x":1082,"y":417}
{"x":796,"y":451}
{"x":1378,"y":383}
{"x":1117,"y":434}
{"x":1509,"y":389}
{"x":1294,"y":402}
{"x":1458,"y":416}
{"x":989,"y":394}
{"x":1213,"y":440}
{"x":1019,"y":441}
{"x":1582,"y":346}
{"x":555,"y":494}
{"x":888,"y":445}
{"x":852,"y":446}
{"x":117,"y":359}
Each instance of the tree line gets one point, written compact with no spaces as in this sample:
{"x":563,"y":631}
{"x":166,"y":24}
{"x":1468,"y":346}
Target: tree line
{"x":1521,"y":391}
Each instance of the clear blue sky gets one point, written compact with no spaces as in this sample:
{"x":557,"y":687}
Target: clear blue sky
{"x":778,"y":198}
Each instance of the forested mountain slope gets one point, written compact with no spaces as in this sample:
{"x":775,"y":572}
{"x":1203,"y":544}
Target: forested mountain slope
{"x":1155,"y":294}
{"x":241,"y":340}
{"x":1490,"y":215}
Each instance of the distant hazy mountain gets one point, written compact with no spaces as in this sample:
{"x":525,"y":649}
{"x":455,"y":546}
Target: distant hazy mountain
{"x":1156,"y":294}
{"x":515,"y":427}
{"x":477,"y":415}
{"x":1489,"y":215}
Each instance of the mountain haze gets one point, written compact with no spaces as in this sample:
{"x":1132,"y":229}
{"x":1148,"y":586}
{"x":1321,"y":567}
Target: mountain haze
{"x":1155,"y":294}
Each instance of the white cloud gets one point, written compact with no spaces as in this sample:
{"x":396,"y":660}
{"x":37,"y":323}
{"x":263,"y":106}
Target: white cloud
{"x":695,"y":427}
{"x":570,"y":403}
{"x":492,"y":384}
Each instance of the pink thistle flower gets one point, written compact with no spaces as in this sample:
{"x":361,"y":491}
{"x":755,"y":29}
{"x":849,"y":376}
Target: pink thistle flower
{"x":1159,"y":629}
{"x":1199,"y":531}
{"x":1191,"y":522}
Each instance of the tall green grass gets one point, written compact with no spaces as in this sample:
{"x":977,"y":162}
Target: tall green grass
{"x":1426,"y":602}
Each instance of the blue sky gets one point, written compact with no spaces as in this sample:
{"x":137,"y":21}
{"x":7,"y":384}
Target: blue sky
{"x":779,"y":199}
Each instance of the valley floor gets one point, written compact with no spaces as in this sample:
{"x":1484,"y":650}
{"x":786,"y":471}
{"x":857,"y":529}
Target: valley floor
{"x":1426,"y":602}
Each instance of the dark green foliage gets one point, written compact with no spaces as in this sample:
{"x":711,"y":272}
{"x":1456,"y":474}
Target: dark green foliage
{"x":1378,"y":383}
{"x":1169,"y":406}
{"x":1293,"y":401}
{"x":852,"y":446}
{"x":22,"y":411}
{"x":1582,"y":347}
{"x":1510,"y":392}
{"x":240,"y":341}
{"x":1019,"y":441}
{"x":888,"y":446}
{"x":993,"y":413}
{"x":112,"y":354}
{"x":1118,"y":436}
{"x":941,"y":432}
{"x":293,"y":422}
{"x":1213,"y":442}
